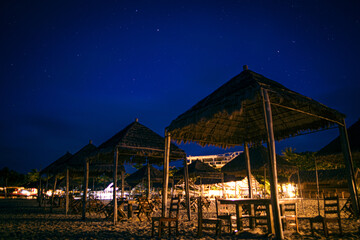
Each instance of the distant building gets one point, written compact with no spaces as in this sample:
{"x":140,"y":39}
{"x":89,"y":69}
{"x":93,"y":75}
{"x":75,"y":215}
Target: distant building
{"x":216,"y":161}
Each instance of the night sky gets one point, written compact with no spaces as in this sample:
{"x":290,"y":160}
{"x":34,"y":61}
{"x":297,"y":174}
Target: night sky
{"x":71,"y":71}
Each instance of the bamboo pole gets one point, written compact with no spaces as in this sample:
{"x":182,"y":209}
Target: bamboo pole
{"x":39,"y":191}
{"x":116,"y":156}
{"x":86,"y":186}
{"x":317,"y":187}
{"x":166,"y":173}
{"x":248,"y":169}
{"x":52,"y":195}
{"x":67,"y":193}
{"x":223,"y":185}
{"x":345,"y":145}
{"x":148,"y":180}
{"x":187,"y":192}
{"x":122,"y":184}
{"x":272,"y":165}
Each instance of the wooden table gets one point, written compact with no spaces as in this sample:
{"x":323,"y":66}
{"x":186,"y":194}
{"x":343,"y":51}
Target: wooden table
{"x":238,"y":202}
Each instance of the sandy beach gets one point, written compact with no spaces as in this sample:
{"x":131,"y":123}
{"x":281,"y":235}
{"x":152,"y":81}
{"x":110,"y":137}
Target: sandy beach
{"x":23,"y":219}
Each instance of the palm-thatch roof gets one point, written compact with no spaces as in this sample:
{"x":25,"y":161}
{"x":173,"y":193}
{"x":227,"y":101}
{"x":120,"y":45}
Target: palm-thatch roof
{"x":54,"y":166}
{"x":199,"y":169}
{"x":335,"y":176}
{"x":259,"y":159}
{"x":76,"y":163}
{"x":136,"y":143}
{"x":142,"y":174}
{"x":334,"y":147}
{"x":233,"y":114}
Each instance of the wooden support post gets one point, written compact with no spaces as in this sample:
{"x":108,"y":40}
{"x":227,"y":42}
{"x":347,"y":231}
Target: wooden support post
{"x":272,"y":165}
{"x":248,"y":172}
{"x":116,"y":156}
{"x":39,"y":191}
{"x":265,"y":180}
{"x":345,"y":145}
{"x":86,"y":186}
{"x":67,"y":192}
{"x":200,"y":217}
{"x":53,"y":193}
{"x":148,"y":180}
{"x":223,"y":185}
{"x":166,"y":174}
{"x":187,"y":192}
{"x":248,"y":169}
{"x":122,"y":184}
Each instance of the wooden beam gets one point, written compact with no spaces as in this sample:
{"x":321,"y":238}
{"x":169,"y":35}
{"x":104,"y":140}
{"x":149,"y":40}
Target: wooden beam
{"x":67,"y":192}
{"x":166,"y":173}
{"x":272,"y":165}
{"x":349,"y":167}
{"x":307,"y":113}
{"x":86,"y":186}
{"x":116,"y":156}
{"x":187,"y":189}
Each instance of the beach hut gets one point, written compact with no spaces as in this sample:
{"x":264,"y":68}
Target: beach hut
{"x":252,"y":109}
{"x":136,"y":144}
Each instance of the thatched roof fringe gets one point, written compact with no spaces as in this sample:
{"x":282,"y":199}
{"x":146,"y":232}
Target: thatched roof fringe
{"x":233,"y":114}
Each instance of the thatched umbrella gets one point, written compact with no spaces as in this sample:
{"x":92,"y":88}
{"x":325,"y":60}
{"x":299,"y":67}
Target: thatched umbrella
{"x":142,"y":174}
{"x":136,"y":143}
{"x":259,"y":163}
{"x":252,"y":109}
{"x":334,"y":147}
{"x":203,"y":172}
{"x":53,"y":168}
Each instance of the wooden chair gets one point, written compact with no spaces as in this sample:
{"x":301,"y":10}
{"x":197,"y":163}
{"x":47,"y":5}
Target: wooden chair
{"x":222,"y":212}
{"x":289,"y":215}
{"x":173,"y":217}
{"x":145,"y":208}
{"x":260,"y":217}
{"x":348,"y":210}
{"x":331,"y":213}
{"x":207,"y":223}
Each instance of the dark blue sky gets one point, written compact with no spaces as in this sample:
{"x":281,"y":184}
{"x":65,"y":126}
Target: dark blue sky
{"x":71,"y":71}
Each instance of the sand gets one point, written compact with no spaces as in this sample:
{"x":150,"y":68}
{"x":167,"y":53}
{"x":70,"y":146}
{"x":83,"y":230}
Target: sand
{"x":23,"y":219}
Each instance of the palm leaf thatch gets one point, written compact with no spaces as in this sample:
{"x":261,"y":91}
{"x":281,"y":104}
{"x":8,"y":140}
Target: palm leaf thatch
{"x":336,"y":176}
{"x":54,"y":166}
{"x":334,"y":147}
{"x":136,"y":143}
{"x":199,"y":169}
{"x":142,"y":175}
{"x":233,"y":114}
{"x":76,"y":163}
{"x":259,"y":159}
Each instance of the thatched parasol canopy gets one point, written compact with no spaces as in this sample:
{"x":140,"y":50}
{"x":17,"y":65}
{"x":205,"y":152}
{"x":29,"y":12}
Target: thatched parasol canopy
{"x":335,"y":176}
{"x":199,"y":169}
{"x":136,"y":143}
{"x":53,"y":168}
{"x":233,"y":114}
{"x":76,"y":163}
{"x":334,"y":147}
{"x":259,"y":160}
{"x":142,"y":175}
